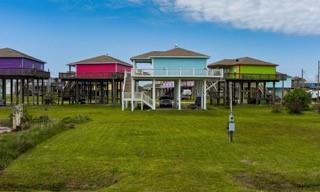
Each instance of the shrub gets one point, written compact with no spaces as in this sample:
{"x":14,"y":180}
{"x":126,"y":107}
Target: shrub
{"x":297,"y":100}
{"x":77,"y":119}
{"x":276,"y":108}
{"x":317,"y":108}
{"x":50,"y":99}
{"x":12,"y":145}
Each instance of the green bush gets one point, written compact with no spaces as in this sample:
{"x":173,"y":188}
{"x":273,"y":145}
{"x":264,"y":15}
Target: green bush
{"x":77,"y":119}
{"x":50,"y":99}
{"x":276,"y":108}
{"x":16,"y":143}
{"x":317,"y":107}
{"x":297,"y":100}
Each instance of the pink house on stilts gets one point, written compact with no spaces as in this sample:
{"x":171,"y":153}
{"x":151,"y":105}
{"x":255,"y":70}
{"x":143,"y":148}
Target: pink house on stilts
{"x":94,"y":80}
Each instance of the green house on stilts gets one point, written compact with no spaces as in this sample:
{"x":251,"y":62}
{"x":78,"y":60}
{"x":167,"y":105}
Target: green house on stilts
{"x":247,"y":77}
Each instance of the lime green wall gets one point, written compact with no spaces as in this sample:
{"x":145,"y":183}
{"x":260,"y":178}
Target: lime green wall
{"x":248,"y":69}
{"x":234,"y":69}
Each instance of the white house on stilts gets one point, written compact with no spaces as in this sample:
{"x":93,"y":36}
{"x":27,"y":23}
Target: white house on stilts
{"x":142,"y":85}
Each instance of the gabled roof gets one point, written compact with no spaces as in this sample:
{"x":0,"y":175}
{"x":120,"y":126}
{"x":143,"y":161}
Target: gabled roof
{"x":241,"y":61}
{"x":12,"y":53}
{"x":102,"y":59}
{"x":175,"y":52}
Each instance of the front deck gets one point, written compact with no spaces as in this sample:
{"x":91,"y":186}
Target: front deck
{"x":172,"y":74}
{"x":91,"y":75}
{"x":12,"y":73}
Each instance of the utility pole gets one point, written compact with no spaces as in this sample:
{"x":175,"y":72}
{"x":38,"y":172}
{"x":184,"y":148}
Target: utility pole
{"x":302,"y":78}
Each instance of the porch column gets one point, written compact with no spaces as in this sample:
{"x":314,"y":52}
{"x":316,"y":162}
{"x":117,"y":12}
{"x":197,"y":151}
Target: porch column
{"x":22,"y":90}
{"x":154,"y":94}
{"x":273,"y":92}
{"x":17,"y":91}
{"x":282,"y":91}
{"x":132,"y":93}
{"x":225,"y":88}
{"x":204,"y":94}
{"x":264,"y":90}
{"x":28,"y":92}
{"x":241,"y":92}
{"x":11,"y":91}
{"x":179,"y":94}
{"x":249,"y":92}
{"x":38,"y":91}
{"x":32,"y":91}
{"x":218,"y":94}
{"x":113,"y":91}
{"x":257,"y":93}
{"x":77,"y":92}
{"x":4,"y":94}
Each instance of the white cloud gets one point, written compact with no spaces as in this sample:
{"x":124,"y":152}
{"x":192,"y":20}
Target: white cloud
{"x":286,"y":16}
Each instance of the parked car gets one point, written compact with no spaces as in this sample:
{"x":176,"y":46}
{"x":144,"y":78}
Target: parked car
{"x":314,"y":94}
{"x":2,"y":103}
{"x":186,"y":94}
{"x":166,"y":101}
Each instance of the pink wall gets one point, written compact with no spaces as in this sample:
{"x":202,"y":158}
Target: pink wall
{"x":99,"y":70}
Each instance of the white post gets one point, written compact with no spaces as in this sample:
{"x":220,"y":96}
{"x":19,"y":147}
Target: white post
{"x":179,"y":94}
{"x":205,"y":94}
{"x":132,"y":93}
{"x":230,"y":97}
{"x":122,"y":89}
{"x":153,"y":94}
{"x":141,"y":101}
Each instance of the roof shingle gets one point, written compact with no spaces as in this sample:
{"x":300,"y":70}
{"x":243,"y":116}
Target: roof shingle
{"x":102,"y":59}
{"x":176,"y":52}
{"x":12,"y":53}
{"x":240,"y":61}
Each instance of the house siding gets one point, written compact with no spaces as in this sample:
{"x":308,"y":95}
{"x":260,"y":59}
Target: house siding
{"x":99,"y":70}
{"x":13,"y":63}
{"x":248,"y":69}
{"x":179,"y":63}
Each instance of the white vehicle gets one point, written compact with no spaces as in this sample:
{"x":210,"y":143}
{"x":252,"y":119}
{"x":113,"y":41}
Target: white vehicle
{"x":314,"y":94}
{"x":186,"y":94}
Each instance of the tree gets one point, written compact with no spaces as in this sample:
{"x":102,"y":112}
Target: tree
{"x":297,"y":100}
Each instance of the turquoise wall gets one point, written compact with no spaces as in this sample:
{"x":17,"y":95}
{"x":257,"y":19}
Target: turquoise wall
{"x":278,"y":85}
{"x":177,"y":63}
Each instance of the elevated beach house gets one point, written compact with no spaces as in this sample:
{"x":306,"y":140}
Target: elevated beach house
{"x":176,"y":65}
{"x":248,"y":78}
{"x":23,"y":76}
{"x":94,"y":80}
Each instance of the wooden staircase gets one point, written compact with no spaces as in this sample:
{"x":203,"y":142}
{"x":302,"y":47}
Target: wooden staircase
{"x":137,"y":97}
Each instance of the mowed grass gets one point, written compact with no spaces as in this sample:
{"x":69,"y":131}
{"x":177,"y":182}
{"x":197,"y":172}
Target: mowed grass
{"x":172,"y":151}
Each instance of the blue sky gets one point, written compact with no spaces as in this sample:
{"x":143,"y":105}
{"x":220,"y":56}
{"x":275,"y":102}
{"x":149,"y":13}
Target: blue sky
{"x":63,"y":31}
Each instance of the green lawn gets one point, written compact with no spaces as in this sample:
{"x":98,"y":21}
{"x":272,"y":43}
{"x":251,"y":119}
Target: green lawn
{"x":172,"y":151}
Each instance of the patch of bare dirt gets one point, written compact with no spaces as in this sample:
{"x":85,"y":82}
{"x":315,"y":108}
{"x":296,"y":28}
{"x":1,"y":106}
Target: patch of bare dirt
{"x":275,"y":182}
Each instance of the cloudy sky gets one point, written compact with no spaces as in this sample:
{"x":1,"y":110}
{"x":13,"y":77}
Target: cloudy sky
{"x":286,"y":32}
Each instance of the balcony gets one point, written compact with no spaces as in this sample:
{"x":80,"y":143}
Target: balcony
{"x":21,"y":72}
{"x":177,"y":73}
{"x":91,"y":75}
{"x":255,"y":77}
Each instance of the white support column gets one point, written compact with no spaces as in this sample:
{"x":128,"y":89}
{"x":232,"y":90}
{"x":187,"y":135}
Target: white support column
{"x":141,"y":105}
{"x":132,"y":94}
{"x":204,"y":94}
{"x":153,"y":94}
{"x":179,"y":94}
{"x":122,"y":102}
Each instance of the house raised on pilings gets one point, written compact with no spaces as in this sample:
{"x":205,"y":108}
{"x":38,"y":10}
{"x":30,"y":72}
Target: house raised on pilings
{"x":247,"y":78}
{"x":177,"y":66}
{"x":22,"y":78}
{"x":94,"y":80}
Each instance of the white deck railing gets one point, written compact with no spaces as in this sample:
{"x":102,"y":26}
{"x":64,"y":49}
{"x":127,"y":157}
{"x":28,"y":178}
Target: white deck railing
{"x":216,"y":73}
